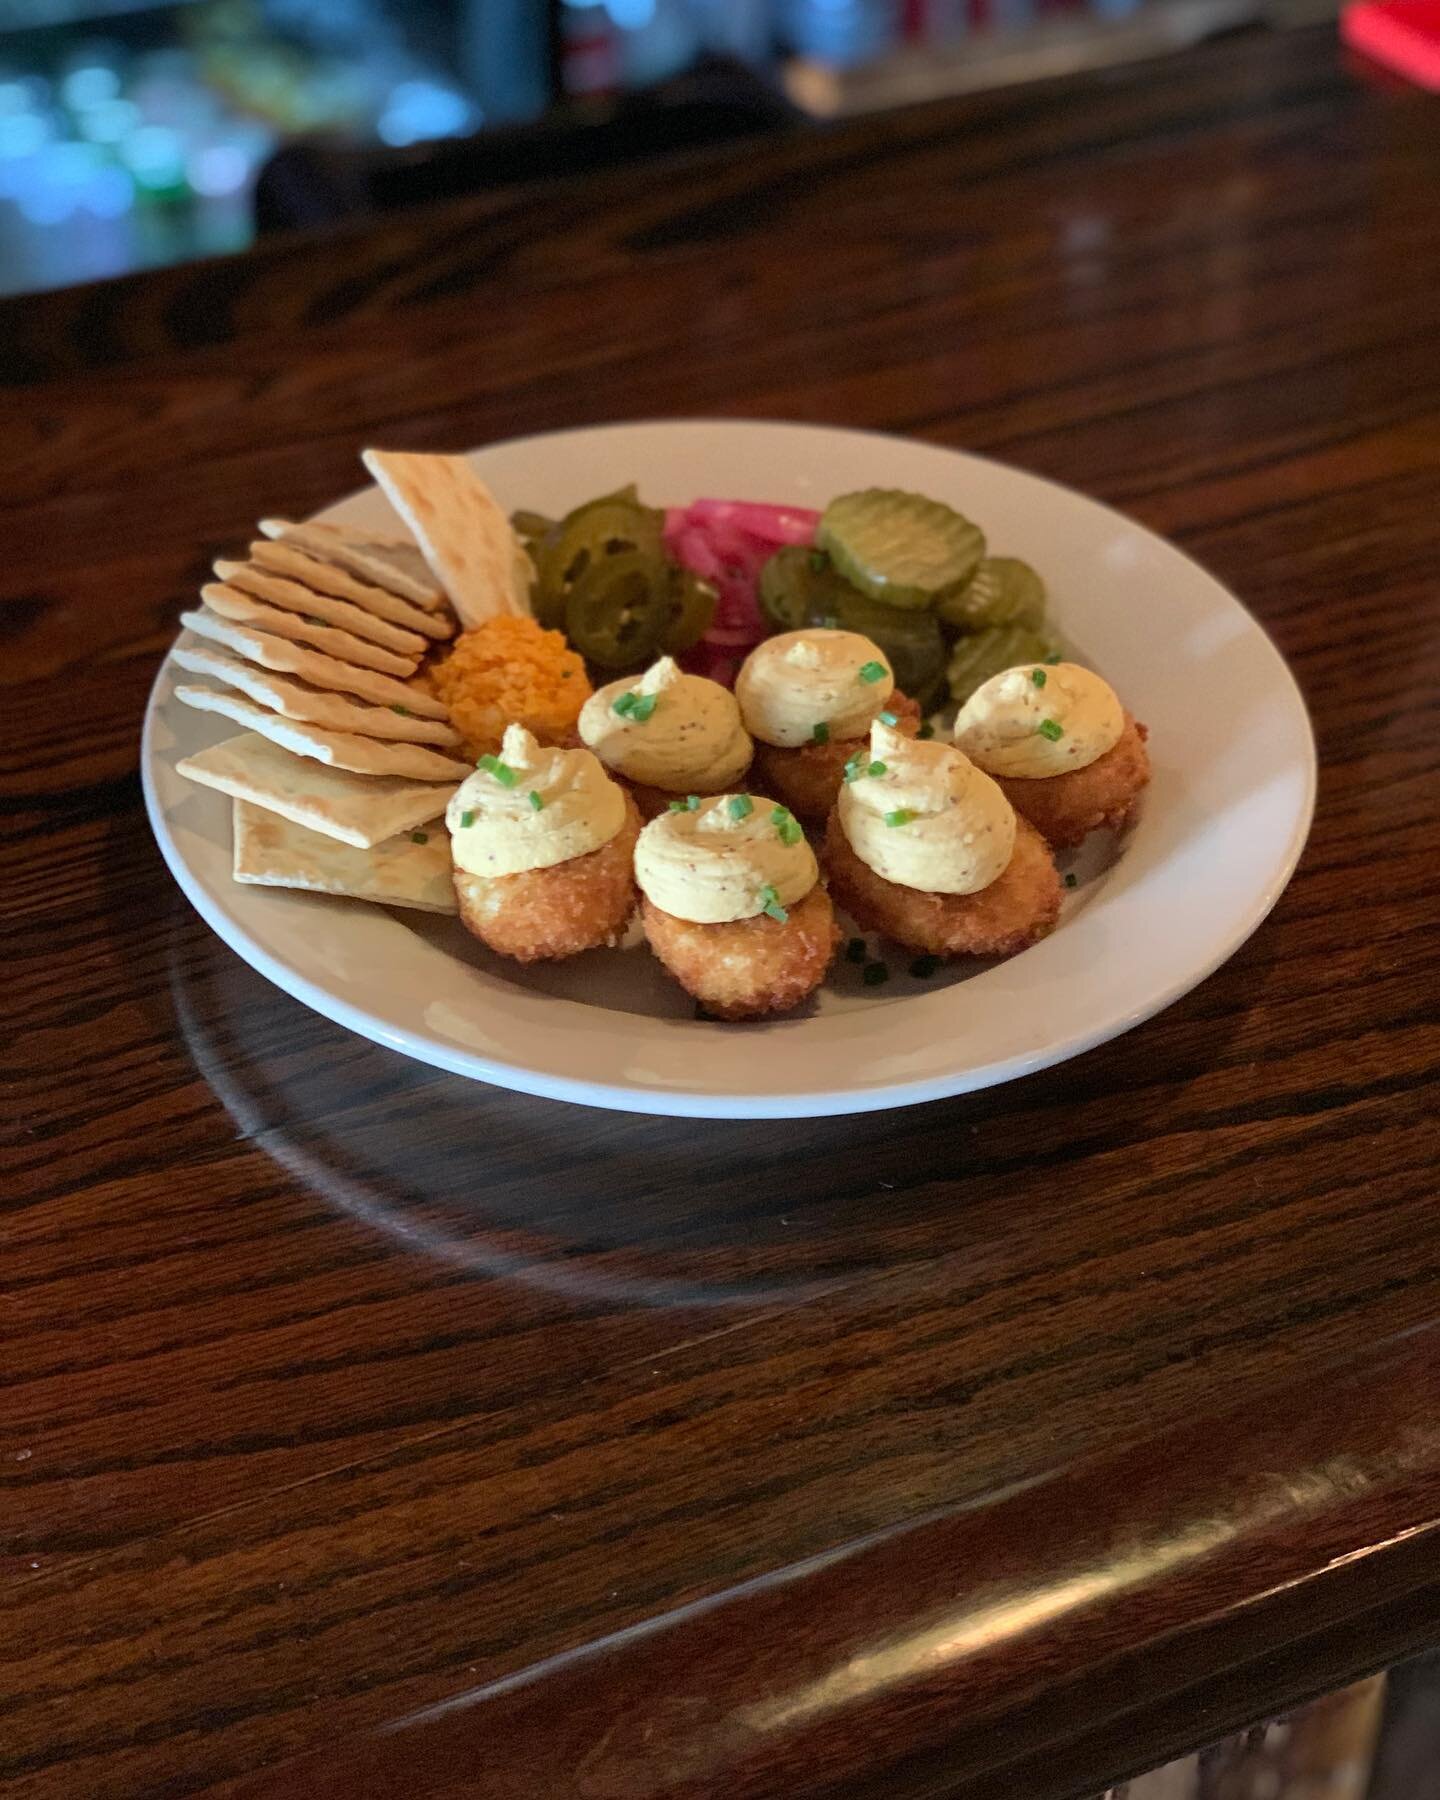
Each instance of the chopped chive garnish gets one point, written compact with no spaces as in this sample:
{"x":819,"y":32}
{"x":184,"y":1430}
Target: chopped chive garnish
{"x":820,"y":733}
{"x":872,"y":671}
{"x":902,"y":815}
{"x":770,"y":903}
{"x":877,"y":768}
{"x":927,"y":730}
{"x":830,"y":623}
{"x":924,"y":967}
{"x":855,"y":766}
{"x":888,"y":718}
{"x":635,"y":706}
{"x":1072,"y":880}
{"x":467,"y":819}
{"x":1051,"y":661}
{"x":1038,"y":677}
{"x":419,"y":837}
{"x":855,"y":950}
{"x":817,"y":561}
{"x":537,"y":801}
{"x":786,"y":824}
{"x":502,"y":772}
{"x":1052,"y":729}
{"x":740,"y":806}
{"x":678,"y":806}
{"x":874,"y":973}
{"x":692,"y":803}
{"x":404,"y":711}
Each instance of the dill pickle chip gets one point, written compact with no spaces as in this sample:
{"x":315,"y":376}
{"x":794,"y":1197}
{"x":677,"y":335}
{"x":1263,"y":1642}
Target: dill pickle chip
{"x":897,"y":547}
{"x":981,"y":654}
{"x":1002,"y":591}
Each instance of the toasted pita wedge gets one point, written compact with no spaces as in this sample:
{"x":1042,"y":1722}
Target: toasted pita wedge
{"x":340,"y":749}
{"x":458,"y":524}
{"x":245,"y":609}
{"x":313,"y":706}
{"x":384,"y":557}
{"x":319,"y":608}
{"x":321,"y":671}
{"x":412,"y":869}
{"x":324,"y":578}
{"x":357,"y":809}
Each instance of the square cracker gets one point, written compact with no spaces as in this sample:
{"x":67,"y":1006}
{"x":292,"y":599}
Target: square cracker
{"x":384,"y":557}
{"x":273,"y":852}
{"x":289,"y":658}
{"x":338,"y":749}
{"x":291,"y":595}
{"x":397,"y":723}
{"x":322,"y":577}
{"x":457,"y":522}
{"x":245,"y":609}
{"x":362,"y":810}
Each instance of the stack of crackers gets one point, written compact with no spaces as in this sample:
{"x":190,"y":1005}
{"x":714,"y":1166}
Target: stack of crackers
{"x":314,"y":645}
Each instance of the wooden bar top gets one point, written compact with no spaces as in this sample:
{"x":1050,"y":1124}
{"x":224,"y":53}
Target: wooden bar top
{"x":367,"y":1432}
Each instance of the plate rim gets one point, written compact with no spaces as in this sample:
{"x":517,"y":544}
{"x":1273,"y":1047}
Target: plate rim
{"x":635,"y":1097}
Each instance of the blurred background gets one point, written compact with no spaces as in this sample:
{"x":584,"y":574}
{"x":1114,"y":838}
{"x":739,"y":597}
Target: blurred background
{"x":137,"y":132}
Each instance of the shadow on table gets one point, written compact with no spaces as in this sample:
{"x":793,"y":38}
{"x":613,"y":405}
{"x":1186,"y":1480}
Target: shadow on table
{"x":663,"y":1212}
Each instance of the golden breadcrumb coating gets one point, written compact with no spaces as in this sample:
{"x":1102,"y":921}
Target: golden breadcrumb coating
{"x":807,"y":778}
{"x":753,"y":968}
{"x":1066,"y":808}
{"x":1017,"y":909}
{"x":544,"y":914}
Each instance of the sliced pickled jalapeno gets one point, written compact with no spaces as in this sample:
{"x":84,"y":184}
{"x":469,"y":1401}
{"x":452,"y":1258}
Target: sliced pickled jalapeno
{"x":691,"y":608}
{"x":530,"y":525}
{"x":617,"y":609}
{"x":610,"y":526}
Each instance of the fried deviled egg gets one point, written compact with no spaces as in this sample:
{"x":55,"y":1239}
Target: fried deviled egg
{"x":543,"y":844}
{"x":924,"y":848}
{"x":809,"y":698}
{"x":667,"y":734}
{"x":733,"y":905}
{"x":1069,"y":757}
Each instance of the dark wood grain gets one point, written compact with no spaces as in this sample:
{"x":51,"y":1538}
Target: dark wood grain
{"x":333,"y":1387}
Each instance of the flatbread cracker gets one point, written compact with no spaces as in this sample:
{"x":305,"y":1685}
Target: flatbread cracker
{"x":312,"y":665}
{"x":324,"y":578}
{"x":357,"y":809}
{"x":245,"y":609}
{"x":321,"y":608}
{"x":413,"y":869}
{"x":339,"y":749}
{"x":384,"y":557}
{"x":313,"y":706}
{"x":457,"y":522}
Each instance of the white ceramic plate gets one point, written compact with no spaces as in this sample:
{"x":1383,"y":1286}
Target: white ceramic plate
{"x":1224,"y":822}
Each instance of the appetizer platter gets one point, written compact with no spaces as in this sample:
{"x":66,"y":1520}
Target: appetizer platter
{"x":725,"y":769}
